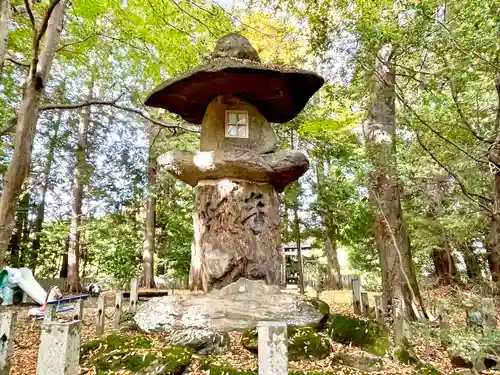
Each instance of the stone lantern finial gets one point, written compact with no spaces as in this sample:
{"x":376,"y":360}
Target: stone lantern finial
{"x":236,"y":46}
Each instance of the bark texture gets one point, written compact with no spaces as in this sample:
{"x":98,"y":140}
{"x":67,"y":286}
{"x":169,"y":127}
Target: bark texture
{"x":237,"y":234}
{"x":147,"y":277}
{"x":26,"y":124}
{"x":442,"y":257}
{"x":398,"y":276}
{"x":40,"y":209}
{"x":80,"y":180}
{"x":5,"y":12}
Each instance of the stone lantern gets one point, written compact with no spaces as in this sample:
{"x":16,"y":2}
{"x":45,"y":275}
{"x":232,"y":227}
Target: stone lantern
{"x":239,"y":169}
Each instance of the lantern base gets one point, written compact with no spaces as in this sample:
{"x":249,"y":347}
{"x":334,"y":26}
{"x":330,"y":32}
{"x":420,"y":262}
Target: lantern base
{"x":237,"y":234}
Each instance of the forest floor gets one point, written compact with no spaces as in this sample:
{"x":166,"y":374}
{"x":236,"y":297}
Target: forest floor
{"x":27,"y":338}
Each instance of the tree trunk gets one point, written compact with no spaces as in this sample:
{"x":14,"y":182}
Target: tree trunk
{"x":330,"y":229}
{"x":5,"y":12}
{"x":298,"y":245}
{"x":40,"y":209}
{"x":236,"y":234}
{"x":147,"y":277}
{"x":472,"y":263}
{"x":64,"y":266}
{"x":442,"y":257}
{"x":80,"y":180}
{"x":398,"y":276}
{"x":26,"y":127}
{"x":16,"y":241}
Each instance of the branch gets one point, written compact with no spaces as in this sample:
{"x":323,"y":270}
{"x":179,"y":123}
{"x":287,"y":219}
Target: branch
{"x":113,"y":103}
{"x":77,"y":42}
{"x":454,"y":175}
{"x":454,"y":95}
{"x":30,"y":13}
{"x":13,"y":60}
{"x":428,"y":126}
{"x":195,"y":18}
{"x":45,"y":22}
{"x":9,"y":127}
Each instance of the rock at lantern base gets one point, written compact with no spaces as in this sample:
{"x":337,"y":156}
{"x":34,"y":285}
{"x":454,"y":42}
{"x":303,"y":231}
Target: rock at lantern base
{"x":236,"y":233}
{"x":236,"y":307}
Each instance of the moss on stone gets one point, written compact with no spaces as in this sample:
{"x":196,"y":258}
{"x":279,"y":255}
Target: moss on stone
{"x":115,"y":341}
{"x":303,"y":343}
{"x":135,"y":353}
{"x":365,"y":334}
{"x":209,"y":364}
{"x":405,"y":354}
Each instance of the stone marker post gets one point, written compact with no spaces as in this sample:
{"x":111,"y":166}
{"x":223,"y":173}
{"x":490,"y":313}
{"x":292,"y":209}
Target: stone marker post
{"x":443,"y":317}
{"x":273,"y":348}
{"x":489,"y":312}
{"x":356,"y":295}
{"x":49,"y":314}
{"x":118,"y":310}
{"x":379,"y":309}
{"x":7,"y":325}
{"x":59,"y":350}
{"x":101,"y":312}
{"x":79,"y":310}
{"x":134,"y":294}
{"x":365,"y":304}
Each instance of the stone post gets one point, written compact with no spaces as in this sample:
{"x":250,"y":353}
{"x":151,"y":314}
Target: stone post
{"x":443,"y":317}
{"x":101,"y":312}
{"x":134,"y":294}
{"x":79,"y":310}
{"x":356,"y":295}
{"x":379,"y":309}
{"x":59,"y":350}
{"x":273,"y":348}
{"x":118,"y":310}
{"x":7,"y":326}
{"x":365,"y":304}
{"x":49,"y":313}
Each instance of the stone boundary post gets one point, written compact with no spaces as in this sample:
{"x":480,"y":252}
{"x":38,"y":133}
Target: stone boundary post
{"x":365,"y":304}
{"x":356,"y":295}
{"x":398,"y":306}
{"x":273,"y":348}
{"x":59,"y":351}
{"x":101,"y":312}
{"x":489,"y":312}
{"x":134,"y":294}
{"x":379,"y":309}
{"x":7,"y":328}
{"x":118,"y":310}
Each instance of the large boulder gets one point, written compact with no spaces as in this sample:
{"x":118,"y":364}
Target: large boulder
{"x":236,"y":307}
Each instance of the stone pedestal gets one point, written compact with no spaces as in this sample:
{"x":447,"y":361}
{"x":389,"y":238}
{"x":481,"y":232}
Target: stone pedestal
{"x":237,"y":233}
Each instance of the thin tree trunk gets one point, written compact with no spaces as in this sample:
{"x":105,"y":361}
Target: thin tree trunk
{"x":64,"y":264}
{"x":147,"y":277}
{"x":330,"y":230}
{"x":398,"y":276}
{"x":16,"y":241}
{"x":299,"y":248}
{"x":26,"y":124}
{"x":40,"y":209}
{"x":5,"y":12}
{"x":472,"y":263}
{"x":81,"y":176}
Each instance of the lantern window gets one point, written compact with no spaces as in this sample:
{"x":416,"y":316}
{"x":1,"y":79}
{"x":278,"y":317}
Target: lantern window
{"x":237,"y":124}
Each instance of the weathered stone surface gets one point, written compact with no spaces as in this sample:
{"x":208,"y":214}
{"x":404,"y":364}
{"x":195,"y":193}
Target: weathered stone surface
{"x":363,"y":361}
{"x":278,"y":168}
{"x":242,"y":305}
{"x":204,"y":341}
{"x":236,"y":234}
{"x":261,"y":136}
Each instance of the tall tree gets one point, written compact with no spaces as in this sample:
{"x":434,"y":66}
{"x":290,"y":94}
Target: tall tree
{"x":5,"y":12}
{"x":379,"y":128}
{"x":147,"y":277}
{"x":27,"y":116}
{"x":80,"y":181}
